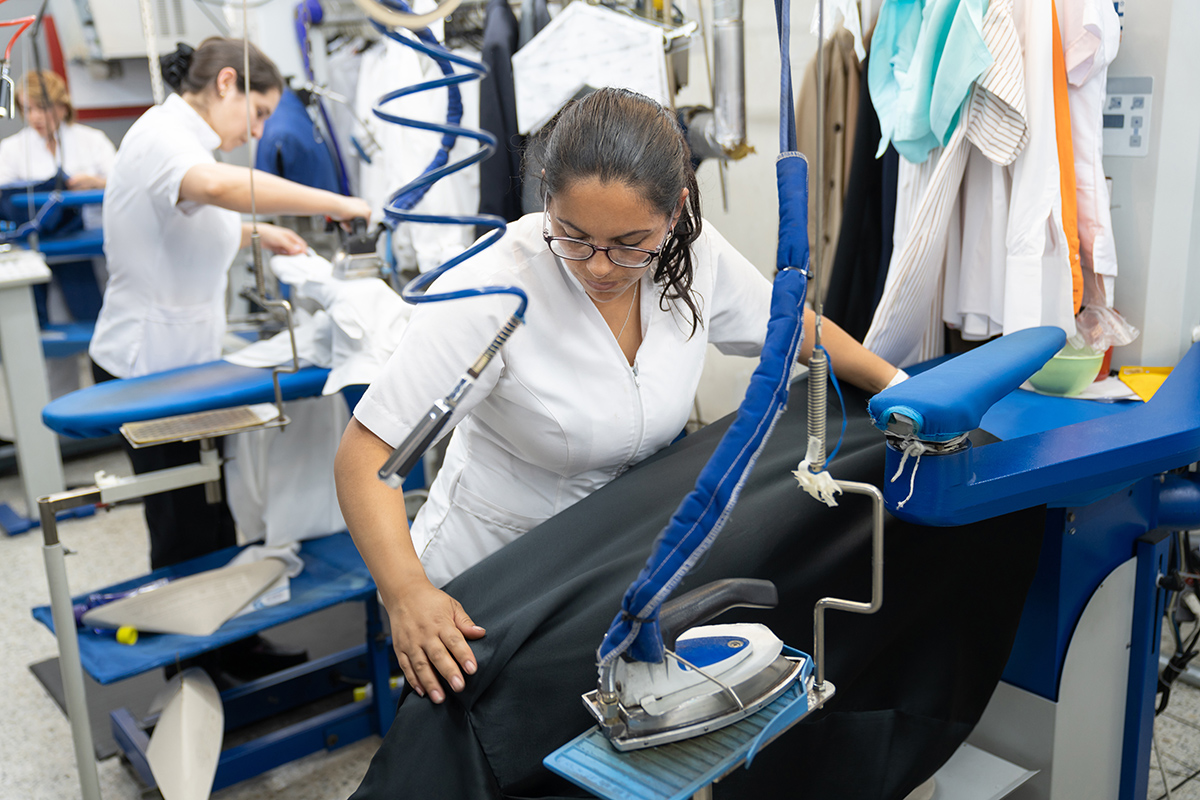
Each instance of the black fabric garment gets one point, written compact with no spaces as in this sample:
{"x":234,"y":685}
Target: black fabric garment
{"x":865,"y":240}
{"x":912,"y":680}
{"x":182,"y":523}
{"x":500,"y":174}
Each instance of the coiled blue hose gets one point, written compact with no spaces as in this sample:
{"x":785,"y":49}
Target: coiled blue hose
{"x":398,"y":208}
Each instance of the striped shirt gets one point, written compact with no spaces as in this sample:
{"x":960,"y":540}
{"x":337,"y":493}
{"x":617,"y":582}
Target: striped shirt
{"x":907,"y":327}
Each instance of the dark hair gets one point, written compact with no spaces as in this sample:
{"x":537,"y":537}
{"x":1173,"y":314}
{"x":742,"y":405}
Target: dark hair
{"x":193,"y":71}
{"x":616,"y":135}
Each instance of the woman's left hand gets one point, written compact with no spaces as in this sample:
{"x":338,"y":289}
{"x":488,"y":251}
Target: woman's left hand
{"x":281,"y":241}
{"x":80,"y":183}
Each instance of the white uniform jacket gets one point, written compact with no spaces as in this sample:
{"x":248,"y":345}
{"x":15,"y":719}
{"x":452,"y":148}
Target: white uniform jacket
{"x":559,"y":412}
{"x":168,"y":261}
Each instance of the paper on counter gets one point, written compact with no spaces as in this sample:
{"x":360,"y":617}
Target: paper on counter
{"x":194,"y":606}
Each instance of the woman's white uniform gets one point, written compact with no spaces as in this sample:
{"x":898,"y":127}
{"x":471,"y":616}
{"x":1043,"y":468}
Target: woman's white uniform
{"x":168,"y":261}
{"x":24,"y":156}
{"x":559,"y":412}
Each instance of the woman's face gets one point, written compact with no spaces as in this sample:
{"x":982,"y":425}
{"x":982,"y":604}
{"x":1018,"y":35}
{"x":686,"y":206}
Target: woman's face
{"x":606,"y":214}
{"x":227,"y":111}
{"x":44,"y":121}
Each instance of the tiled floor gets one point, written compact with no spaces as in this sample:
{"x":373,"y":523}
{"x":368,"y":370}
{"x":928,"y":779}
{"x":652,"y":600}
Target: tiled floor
{"x":1177,"y":735}
{"x":38,"y":762}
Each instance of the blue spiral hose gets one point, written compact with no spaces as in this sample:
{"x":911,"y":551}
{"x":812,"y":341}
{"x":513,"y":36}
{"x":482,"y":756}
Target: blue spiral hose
{"x":398,"y":208}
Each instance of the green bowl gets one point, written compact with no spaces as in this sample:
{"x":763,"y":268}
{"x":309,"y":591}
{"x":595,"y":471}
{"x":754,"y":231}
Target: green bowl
{"x":1068,"y":373}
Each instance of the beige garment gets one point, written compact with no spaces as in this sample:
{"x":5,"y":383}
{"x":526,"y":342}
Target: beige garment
{"x":842,"y":71}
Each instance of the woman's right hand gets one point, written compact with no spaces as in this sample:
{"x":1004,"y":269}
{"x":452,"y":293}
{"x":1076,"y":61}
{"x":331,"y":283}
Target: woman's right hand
{"x":430,"y":630}
{"x":351,"y":208}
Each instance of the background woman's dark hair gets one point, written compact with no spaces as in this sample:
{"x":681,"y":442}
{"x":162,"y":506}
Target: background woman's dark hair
{"x":620,"y":136}
{"x":188,"y":70}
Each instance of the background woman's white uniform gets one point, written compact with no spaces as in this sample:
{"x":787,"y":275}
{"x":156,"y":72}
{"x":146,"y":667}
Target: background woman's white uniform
{"x":560,"y":412}
{"x":24,"y":156}
{"x":168,"y":261}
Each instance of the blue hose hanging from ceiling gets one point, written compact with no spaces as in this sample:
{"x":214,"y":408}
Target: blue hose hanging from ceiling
{"x":398,"y":207}
{"x":634,"y":631}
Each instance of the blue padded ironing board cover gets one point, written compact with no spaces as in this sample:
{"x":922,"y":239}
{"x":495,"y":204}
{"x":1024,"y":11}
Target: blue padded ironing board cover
{"x":951,"y":400}
{"x":333,"y":573}
{"x":102,"y":409}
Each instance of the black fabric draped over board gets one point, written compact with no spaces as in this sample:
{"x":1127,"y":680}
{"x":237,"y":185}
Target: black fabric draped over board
{"x":912,"y":680}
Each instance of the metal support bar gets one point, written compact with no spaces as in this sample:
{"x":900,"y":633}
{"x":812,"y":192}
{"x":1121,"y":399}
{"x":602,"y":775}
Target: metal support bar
{"x":68,"y":638}
{"x":852,"y":487}
{"x":113,"y":490}
{"x":1149,"y":605}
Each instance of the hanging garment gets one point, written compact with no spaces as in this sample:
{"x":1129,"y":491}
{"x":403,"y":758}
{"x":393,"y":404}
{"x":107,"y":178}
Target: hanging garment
{"x":1066,"y":163}
{"x":345,"y":60}
{"x":1091,"y":34}
{"x":840,"y":95}
{"x":907,"y":326}
{"x":929,"y":52}
{"x":500,"y":175}
{"x":406,"y":151}
{"x":864,"y":243}
{"x":534,"y":16}
{"x":292,"y":148}
{"x":842,"y":15}
{"x":1037,"y":282}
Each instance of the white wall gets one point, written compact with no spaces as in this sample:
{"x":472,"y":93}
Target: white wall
{"x":1156,"y":199}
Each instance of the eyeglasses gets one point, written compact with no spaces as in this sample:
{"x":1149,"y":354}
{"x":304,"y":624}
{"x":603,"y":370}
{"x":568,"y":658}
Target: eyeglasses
{"x":579,"y":250}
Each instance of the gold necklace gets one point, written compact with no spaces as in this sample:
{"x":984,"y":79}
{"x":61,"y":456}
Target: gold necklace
{"x":629,"y":313}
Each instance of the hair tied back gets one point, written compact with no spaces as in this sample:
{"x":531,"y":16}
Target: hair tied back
{"x":175,"y":65}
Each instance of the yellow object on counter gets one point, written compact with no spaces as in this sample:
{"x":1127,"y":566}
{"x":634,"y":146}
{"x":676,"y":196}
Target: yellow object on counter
{"x":1144,"y":380}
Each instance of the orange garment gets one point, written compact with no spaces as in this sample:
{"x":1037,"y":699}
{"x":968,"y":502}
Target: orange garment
{"x":1066,"y":162}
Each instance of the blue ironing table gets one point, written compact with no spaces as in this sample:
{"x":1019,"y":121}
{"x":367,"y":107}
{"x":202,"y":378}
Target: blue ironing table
{"x":334,"y":573}
{"x":1077,"y":698}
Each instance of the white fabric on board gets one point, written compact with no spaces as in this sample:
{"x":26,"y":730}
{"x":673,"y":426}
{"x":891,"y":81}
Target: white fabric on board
{"x":279,"y":481}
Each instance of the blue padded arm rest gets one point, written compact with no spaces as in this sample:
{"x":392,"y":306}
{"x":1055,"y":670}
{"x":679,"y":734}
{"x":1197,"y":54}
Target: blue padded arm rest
{"x":102,"y":409}
{"x":950,"y":399}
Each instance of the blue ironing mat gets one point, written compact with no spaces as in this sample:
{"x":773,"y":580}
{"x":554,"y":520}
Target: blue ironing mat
{"x":333,"y":573}
{"x":678,"y":770}
{"x":1023,"y":412}
{"x":102,"y":409}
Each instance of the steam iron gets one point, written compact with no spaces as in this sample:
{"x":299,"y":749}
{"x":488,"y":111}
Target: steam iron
{"x":356,"y":256}
{"x":710,"y":677}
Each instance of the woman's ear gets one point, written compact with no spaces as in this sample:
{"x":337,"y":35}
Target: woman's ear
{"x":683,"y":196}
{"x":226,"y":81}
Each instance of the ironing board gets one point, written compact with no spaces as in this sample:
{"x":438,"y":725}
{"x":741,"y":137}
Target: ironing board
{"x":334,"y":573}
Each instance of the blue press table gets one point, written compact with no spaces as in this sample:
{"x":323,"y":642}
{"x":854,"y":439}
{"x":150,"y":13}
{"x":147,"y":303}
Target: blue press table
{"x":333,"y":573}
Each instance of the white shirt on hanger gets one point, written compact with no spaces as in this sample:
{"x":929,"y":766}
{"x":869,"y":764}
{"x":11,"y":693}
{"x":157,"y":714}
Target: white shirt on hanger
{"x":561,"y":412}
{"x":407,"y":151}
{"x":168,"y":260}
{"x":1091,"y":32}
{"x":1038,"y":288}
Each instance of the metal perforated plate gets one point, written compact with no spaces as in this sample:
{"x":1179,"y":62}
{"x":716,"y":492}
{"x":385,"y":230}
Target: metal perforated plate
{"x":202,"y":425}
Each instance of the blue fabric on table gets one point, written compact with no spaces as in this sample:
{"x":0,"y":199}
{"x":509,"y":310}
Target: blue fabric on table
{"x":100,"y":410}
{"x":333,"y":573}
